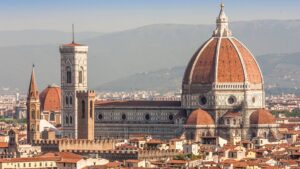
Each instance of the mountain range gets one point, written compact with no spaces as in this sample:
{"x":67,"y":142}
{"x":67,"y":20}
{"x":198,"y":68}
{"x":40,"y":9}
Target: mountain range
{"x":280,"y":71}
{"x":149,"y":49}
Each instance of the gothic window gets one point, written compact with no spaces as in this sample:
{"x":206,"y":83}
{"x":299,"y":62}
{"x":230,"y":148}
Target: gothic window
{"x":67,"y":120}
{"x":52,"y":116}
{"x":69,"y":75}
{"x":71,"y":119}
{"x":91,"y":108}
{"x":33,"y":114}
{"x":82,"y":108}
{"x":80,"y":75}
{"x":67,"y":100}
{"x":71,"y":100}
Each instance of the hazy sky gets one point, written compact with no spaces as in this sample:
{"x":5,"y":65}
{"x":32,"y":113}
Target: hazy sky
{"x":112,"y":15}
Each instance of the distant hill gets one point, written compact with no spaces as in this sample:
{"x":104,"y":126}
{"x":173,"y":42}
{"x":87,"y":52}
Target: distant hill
{"x":280,"y":71}
{"x":120,"y":54}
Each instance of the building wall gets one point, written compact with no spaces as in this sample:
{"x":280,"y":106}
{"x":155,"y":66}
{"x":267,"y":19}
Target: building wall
{"x":122,"y":122}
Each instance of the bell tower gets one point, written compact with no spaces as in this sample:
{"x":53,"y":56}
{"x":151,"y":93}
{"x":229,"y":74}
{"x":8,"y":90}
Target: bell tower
{"x":33,"y":110}
{"x":73,"y":78}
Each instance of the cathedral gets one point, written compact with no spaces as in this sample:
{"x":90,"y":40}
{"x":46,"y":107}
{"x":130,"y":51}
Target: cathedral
{"x":222,"y":95}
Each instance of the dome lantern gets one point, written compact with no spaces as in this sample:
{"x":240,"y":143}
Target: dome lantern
{"x":222,"y":29}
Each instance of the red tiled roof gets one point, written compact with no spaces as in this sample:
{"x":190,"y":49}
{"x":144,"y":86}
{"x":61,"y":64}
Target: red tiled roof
{"x":200,"y":117}
{"x":3,"y":145}
{"x":231,"y":59}
{"x":262,"y":116}
{"x":50,"y":99}
{"x":138,"y":103}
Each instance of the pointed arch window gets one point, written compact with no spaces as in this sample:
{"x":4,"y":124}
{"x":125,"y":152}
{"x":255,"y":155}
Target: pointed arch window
{"x":33,"y":114}
{"x":82,"y":108}
{"x":67,"y":120}
{"x":69,"y":74}
{"x":71,"y":100}
{"x":80,"y":75}
{"x":71,"y":119}
{"x":67,"y":100}
{"x":91,"y":108}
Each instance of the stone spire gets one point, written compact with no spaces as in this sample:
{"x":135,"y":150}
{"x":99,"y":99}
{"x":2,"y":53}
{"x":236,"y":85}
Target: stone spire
{"x":32,"y":91}
{"x":222,"y":29}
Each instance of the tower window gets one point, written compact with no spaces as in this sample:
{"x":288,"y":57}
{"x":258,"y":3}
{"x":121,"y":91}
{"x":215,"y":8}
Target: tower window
{"x":67,"y":100}
{"x":80,"y":74}
{"x":71,"y":120}
{"x":67,"y":120}
{"x":33,"y":114}
{"x":69,"y":75}
{"x":82,"y":108}
{"x":71,"y":100}
{"x":91,"y":108}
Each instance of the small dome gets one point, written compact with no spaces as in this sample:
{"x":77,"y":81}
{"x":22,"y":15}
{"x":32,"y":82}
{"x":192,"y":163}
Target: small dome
{"x":200,"y":117}
{"x":262,"y":116}
{"x":50,"y":98}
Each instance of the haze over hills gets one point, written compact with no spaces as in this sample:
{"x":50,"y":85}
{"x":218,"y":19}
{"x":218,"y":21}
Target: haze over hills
{"x":279,"y":70}
{"x":154,"y":47}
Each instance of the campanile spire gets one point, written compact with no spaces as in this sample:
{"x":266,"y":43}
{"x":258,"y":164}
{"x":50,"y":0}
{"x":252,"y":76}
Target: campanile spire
{"x":222,"y":29}
{"x":33,"y":91}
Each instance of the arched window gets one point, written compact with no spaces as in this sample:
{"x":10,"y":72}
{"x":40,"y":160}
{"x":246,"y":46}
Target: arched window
{"x":69,"y":74}
{"x":91,"y":108}
{"x":71,"y":100}
{"x":52,"y":116}
{"x":234,"y":121}
{"x":71,"y":119}
{"x":67,"y":100}
{"x":82,"y":108}
{"x":228,"y":121}
{"x":80,"y":75}
{"x":67,"y":120}
{"x":33,"y":114}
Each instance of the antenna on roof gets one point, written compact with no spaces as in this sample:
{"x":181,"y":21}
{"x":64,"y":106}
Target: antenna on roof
{"x":73,"y":37}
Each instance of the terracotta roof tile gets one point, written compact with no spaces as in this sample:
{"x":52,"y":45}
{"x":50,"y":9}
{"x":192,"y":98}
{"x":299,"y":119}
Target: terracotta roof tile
{"x":262,"y":116}
{"x":138,"y":103}
{"x":200,"y":117}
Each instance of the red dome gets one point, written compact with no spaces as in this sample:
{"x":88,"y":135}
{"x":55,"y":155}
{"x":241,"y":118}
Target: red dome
{"x":223,"y":60}
{"x":262,"y":116}
{"x":200,"y":117}
{"x":50,"y":99}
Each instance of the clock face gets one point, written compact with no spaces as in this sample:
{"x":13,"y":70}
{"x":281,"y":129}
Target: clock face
{"x":202,"y":100}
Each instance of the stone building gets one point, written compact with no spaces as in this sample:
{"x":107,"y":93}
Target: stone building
{"x":222,"y":95}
